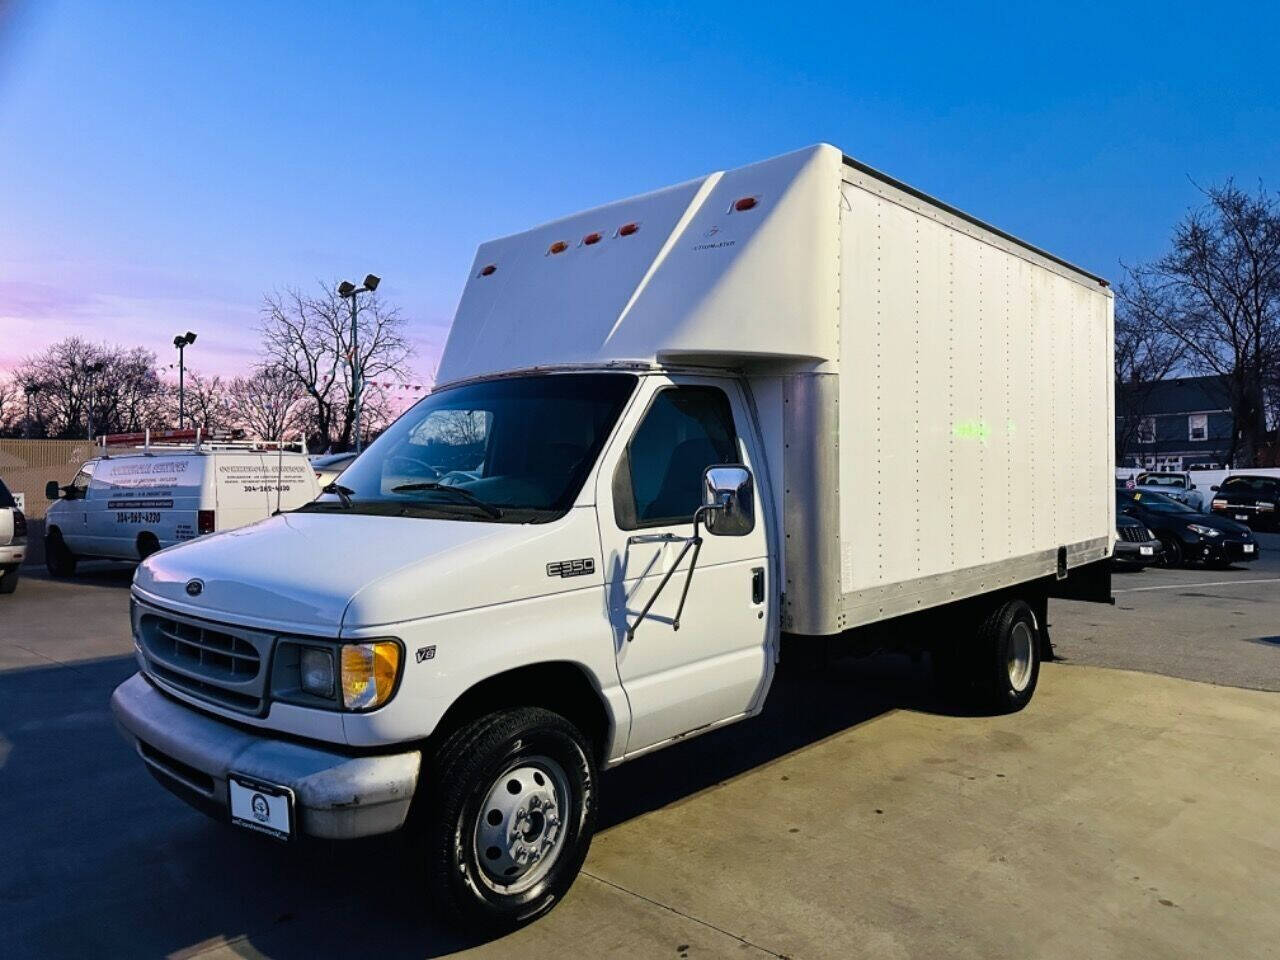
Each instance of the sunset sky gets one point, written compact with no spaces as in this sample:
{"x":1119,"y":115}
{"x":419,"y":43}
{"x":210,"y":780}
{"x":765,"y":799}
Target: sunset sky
{"x":164,"y":165}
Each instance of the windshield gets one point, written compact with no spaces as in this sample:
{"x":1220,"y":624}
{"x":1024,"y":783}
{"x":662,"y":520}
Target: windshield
{"x":1159,"y":503}
{"x":1258,"y":485}
{"x":516,"y":449}
{"x":1155,"y":480}
{"x":6,"y":498}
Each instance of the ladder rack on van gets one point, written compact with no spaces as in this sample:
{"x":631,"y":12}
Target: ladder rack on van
{"x":195,"y":441}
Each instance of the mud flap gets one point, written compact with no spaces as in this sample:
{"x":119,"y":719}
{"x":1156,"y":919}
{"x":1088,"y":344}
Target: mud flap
{"x":1091,"y":583}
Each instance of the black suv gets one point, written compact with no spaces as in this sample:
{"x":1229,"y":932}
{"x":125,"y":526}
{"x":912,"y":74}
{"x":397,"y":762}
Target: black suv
{"x":1251,"y":500}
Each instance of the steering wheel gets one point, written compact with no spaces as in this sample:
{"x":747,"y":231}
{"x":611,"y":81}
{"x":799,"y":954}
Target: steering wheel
{"x":411,"y":467}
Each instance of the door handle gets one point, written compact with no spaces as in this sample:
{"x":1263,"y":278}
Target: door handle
{"x":757,"y":585}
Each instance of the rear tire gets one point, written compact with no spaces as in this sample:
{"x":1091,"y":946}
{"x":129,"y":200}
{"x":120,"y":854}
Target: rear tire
{"x":510,"y":822}
{"x":9,"y":581}
{"x":58,"y":558}
{"x":1008,"y":657}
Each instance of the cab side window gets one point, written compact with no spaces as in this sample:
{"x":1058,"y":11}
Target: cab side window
{"x":659,"y":479}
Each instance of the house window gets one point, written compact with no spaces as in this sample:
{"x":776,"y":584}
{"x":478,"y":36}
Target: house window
{"x":1147,"y":430}
{"x":1198,"y":426}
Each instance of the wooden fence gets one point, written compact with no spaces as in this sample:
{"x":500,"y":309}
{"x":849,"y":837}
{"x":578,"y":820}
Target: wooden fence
{"x":26,"y":465}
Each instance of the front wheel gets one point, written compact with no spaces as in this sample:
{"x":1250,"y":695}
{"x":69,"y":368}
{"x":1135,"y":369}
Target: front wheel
{"x":9,"y":580}
{"x":511,"y":818}
{"x":1171,"y":555}
{"x":58,"y":558}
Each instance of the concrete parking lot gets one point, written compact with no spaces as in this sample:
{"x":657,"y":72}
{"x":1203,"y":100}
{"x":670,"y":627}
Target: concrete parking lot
{"x":1128,"y":812}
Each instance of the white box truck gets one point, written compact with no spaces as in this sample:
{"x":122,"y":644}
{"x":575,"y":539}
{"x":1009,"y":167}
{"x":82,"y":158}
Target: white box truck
{"x":797,"y":400}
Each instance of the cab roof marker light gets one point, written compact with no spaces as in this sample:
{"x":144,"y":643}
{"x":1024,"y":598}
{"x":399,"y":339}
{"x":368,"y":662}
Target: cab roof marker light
{"x":627,"y":229}
{"x":558,"y":247}
{"x":591,"y":238}
{"x":489,"y":270}
{"x":745,"y":204}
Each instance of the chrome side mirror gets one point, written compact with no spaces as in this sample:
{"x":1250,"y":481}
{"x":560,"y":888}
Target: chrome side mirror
{"x":728,"y":499}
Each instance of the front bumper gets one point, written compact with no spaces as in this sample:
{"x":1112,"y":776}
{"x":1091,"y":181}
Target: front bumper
{"x":1130,"y":552}
{"x":1218,"y":550}
{"x":337,"y":796}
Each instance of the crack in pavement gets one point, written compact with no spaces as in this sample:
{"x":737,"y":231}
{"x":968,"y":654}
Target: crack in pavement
{"x":686,"y":916}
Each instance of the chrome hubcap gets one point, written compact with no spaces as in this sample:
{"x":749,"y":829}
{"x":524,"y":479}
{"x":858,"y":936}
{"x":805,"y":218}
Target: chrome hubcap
{"x":520,"y":825}
{"x":1020,"y":656}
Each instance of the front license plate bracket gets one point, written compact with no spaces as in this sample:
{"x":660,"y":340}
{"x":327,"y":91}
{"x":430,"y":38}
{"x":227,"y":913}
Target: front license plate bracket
{"x":266,"y":808}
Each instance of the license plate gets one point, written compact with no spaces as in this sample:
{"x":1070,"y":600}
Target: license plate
{"x":1242,"y":516}
{"x":260,"y":806}
{"x":1146,"y":551}
{"x":1248,"y":548}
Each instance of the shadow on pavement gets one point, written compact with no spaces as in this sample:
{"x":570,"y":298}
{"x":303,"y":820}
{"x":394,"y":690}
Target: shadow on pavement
{"x":101,"y":861}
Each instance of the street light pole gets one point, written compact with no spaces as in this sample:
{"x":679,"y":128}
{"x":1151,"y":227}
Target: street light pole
{"x":93,"y":369}
{"x":182,"y":341}
{"x":347,"y":291}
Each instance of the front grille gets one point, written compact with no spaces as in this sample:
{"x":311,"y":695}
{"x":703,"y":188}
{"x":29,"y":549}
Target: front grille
{"x":214,"y":662}
{"x":1133,"y":534}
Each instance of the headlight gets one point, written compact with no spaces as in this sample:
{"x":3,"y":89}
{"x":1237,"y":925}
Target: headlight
{"x":316,"y":668}
{"x":1150,"y":535}
{"x":1219,"y":503}
{"x":1203,"y":530}
{"x":369,"y":672}
{"x":1264,"y":505}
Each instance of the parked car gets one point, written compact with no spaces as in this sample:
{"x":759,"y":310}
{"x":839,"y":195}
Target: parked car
{"x":1248,"y":499}
{"x":13,"y":540}
{"x":126,"y":506}
{"x":1136,"y":546}
{"x":1178,"y":486}
{"x":328,"y":465}
{"x":1186,"y":535}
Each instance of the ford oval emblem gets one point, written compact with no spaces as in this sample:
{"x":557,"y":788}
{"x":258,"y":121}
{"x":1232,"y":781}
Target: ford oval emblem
{"x":195,"y":588}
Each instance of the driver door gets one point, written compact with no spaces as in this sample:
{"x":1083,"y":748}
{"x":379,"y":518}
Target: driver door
{"x":75,"y":520}
{"x":716,"y":665}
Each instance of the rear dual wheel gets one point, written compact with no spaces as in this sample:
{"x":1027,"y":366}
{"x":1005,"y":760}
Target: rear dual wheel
{"x":997,"y":669}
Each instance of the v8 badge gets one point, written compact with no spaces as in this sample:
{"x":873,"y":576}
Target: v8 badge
{"x":426,"y":653}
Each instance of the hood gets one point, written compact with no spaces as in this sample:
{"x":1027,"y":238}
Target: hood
{"x":322,"y":572}
{"x":1213,"y":521}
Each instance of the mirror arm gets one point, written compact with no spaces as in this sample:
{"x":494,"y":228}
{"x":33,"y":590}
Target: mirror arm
{"x":694,"y":543}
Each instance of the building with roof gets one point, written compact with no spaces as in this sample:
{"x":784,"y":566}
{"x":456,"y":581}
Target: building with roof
{"x":1179,"y":424}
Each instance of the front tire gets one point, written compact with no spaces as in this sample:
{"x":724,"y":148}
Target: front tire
{"x":511,"y":818}
{"x":9,"y":580}
{"x":1172,"y":556}
{"x":58,"y":558}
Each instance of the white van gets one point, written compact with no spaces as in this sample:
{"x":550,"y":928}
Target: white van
{"x":126,"y":506}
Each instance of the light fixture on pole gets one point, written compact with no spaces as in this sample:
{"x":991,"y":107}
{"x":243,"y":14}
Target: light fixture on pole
{"x":347,"y":291}
{"x":182,"y":341}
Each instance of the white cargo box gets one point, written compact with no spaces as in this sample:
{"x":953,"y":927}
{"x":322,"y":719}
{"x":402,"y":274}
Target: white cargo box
{"x":935,"y":396}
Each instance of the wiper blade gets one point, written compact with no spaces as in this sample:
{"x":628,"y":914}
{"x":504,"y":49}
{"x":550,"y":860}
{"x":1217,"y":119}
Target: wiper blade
{"x":466,"y":495}
{"x":344,"y":493}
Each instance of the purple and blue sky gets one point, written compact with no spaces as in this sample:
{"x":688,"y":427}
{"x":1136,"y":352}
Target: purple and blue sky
{"x":163,"y":165}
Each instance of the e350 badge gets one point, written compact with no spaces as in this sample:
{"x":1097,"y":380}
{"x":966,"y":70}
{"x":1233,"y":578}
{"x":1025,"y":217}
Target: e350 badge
{"x":571,"y":568}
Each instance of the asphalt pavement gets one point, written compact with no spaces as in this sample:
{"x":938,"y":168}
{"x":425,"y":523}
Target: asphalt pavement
{"x":1122,"y":814}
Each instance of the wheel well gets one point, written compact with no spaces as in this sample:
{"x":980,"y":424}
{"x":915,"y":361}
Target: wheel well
{"x":559,"y":686}
{"x":146,"y":536}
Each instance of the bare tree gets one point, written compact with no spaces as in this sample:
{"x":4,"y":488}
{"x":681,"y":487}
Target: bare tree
{"x":74,"y":382}
{"x":207,"y":402}
{"x":11,"y":410}
{"x":1146,"y":353}
{"x":310,"y":338}
{"x":263,"y":402}
{"x":1218,"y":291}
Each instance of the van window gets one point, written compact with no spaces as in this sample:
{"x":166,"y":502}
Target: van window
{"x":685,"y":430}
{"x":6,"y":498}
{"x":80,"y":485}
